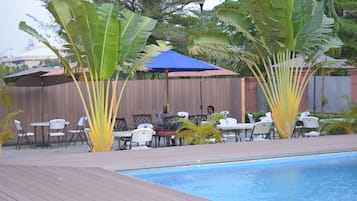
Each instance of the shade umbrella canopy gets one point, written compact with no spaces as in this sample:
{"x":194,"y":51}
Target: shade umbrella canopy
{"x":176,"y":62}
{"x":33,"y":78}
{"x":205,"y":73}
{"x":171,"y":61}
{"x":61,"y":71}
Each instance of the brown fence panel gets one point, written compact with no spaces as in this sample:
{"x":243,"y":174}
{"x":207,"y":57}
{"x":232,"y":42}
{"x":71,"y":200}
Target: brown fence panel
{"x":140,"y":96}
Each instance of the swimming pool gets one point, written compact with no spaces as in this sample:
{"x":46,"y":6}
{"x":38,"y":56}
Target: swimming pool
{"x":327,"y":177}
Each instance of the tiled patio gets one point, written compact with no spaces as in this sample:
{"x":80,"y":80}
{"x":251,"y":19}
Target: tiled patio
{"x":62,"y":175}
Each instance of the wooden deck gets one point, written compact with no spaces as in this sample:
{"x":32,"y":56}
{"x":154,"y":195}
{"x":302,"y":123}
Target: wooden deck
{"x":91,"y":176}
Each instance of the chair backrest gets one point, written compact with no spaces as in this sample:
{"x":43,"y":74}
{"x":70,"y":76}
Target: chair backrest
{"x":142,"y":118}
{"x":225,"y":113}
{"x":262,"y":127}
{"x":310,"y":122}
{"x":183,"y":114}
{"x":145,"y":125}
{"x":197,"y":118}
{"x":57,"y":124}
{"x":120,"y":124}
{"x":267,"y":117}
{"x":251,"y":119}
{"x":228,"y":121}
{"x":303,"y":115}
{"x":18,"y":125}
{"x":82,"y":122}
{"x":170,"y":122}
{"x":142,"y":135}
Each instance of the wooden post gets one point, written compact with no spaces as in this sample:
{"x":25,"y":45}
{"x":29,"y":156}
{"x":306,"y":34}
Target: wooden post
{"x":243,"y":99}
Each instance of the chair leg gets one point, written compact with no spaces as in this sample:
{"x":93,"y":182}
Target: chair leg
{"x":78,"y":136}
{"x":48,"y":141}
{"x":18,"y":141}
{"x":82,"y":137}
{"x":70,"y":140}
{"x":28,"y":141}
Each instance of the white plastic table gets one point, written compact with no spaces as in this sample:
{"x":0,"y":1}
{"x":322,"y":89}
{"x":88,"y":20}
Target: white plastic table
{"x":236,"y":128}
{"x":43,"y":124}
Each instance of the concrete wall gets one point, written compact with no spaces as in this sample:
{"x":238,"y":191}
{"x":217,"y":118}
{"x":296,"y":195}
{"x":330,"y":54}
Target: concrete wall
{"x":334,"y":90}
{"x":337,"y":91}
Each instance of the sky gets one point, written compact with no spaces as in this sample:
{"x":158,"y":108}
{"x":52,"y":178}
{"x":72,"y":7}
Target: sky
{"x":13,"y":41}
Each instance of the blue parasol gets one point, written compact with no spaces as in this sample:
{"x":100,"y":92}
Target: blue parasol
{"x":171,"y":61}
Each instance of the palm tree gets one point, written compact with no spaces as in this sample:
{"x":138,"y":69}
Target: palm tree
{"x":105,"y":42}
{"x":281,"y":28}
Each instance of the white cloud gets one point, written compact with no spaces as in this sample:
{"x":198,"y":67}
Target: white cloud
{"x":13,"y":40}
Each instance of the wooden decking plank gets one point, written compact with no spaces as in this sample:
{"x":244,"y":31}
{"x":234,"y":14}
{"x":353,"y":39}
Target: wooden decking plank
{"x":85,"y":176}
{"x":16,"y":181}
{"x":7,"y":193}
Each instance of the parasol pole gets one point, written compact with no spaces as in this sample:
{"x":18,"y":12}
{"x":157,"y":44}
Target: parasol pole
{"x":41,"y":95}
{"x":201,"y":106}
{"x":167,"y":88}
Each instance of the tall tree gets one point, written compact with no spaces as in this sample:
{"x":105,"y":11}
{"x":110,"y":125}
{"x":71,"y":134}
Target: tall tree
{"x":176,"y":19}
{"x":282,"y":27}
{"x":103,"y":41}
{"x":345,"y":14}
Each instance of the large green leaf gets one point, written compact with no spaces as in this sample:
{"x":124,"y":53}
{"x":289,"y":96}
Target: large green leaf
{"x":107,"y":38}
{"x":78,"y":21}
{"x":272,"y":19}
{"x":237,"y":19}
{"x":218,"y":46}
{"x":136,"y":30}
{"x":315,"y":33}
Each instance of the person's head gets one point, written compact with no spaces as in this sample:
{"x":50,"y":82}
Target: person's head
{"x":210,"y":109}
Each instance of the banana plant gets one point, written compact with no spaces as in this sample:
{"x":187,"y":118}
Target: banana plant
{"x":198,"y":134}
{"x":281,"y":29}
{"x":103,"y":42}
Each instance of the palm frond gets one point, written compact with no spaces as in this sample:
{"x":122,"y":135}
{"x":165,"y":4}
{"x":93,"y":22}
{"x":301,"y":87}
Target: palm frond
{"x":135,"y":32}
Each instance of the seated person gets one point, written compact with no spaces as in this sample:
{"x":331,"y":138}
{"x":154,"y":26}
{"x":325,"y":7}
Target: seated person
{"x":210,"y":112}
{"x":161,"y":116}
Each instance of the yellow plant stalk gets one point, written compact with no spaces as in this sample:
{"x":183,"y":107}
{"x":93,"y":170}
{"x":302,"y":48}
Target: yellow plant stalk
{"x":101,"y":124}
{"x":283,"y":86}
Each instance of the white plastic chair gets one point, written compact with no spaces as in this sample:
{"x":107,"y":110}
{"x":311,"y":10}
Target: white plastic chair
{"x":140,"y":138}
{"x":303,"y":115}
{"x":262,"y":128}
{"x":228,"y":122}
{"x":21,"y":133}
{"x":79,"y":131}
{"x":145,"y":125}
{"x":251,"y":119}
{"x":225,"y":113}
{"x":267,"y":117}
{"x":183,"y":114}
{"x":311,"y":124}
{"x":298,"y":129}
{"x":57,"y":129}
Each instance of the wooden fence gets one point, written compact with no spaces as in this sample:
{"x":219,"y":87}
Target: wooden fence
{"x":140,"y":96}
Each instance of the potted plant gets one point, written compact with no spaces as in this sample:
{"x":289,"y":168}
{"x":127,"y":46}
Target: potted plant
{"x":203,"y":133}
{"x":347,"y":124}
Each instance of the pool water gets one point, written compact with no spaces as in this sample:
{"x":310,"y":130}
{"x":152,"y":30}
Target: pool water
{"x":328,"y":177}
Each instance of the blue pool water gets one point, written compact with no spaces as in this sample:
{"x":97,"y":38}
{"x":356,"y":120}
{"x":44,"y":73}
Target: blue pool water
{"x":328,"y":177}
